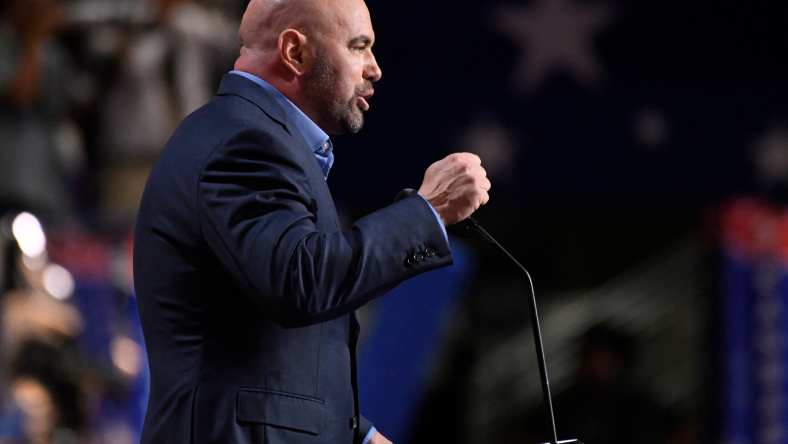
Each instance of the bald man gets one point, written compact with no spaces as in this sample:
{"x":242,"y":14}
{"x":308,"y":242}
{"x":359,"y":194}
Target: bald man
{"x":247,"y":284}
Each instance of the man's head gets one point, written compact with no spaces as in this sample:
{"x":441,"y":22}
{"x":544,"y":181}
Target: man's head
{"x":317,"y":52}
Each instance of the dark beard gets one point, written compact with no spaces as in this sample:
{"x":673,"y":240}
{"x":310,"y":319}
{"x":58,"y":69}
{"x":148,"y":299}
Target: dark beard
{"x":339,"y":117}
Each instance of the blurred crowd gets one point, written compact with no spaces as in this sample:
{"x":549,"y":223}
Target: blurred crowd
{"x":89,"y":92}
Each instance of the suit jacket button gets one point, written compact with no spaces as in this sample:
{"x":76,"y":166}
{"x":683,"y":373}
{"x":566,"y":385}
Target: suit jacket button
{"x":410,"y":261}
{"x":353,"y":423}
{"x":419,"y":257}
{"x":430,"y":252}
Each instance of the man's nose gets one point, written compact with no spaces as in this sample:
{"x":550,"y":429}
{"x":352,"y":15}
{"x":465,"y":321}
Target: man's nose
{"x":373,"y":72}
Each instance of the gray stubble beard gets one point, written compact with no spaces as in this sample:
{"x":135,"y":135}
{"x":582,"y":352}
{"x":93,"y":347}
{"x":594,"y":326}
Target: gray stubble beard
{"x":320,"y":84}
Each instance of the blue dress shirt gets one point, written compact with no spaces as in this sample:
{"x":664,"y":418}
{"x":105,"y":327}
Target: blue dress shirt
{"x":316,"y":138}
{"x":320,"y":144}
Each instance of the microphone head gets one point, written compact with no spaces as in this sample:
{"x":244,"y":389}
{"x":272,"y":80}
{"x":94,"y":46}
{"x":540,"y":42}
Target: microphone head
{"x":470,"y":227}
{"x":404,"y":193}
{"x":465,"y":228}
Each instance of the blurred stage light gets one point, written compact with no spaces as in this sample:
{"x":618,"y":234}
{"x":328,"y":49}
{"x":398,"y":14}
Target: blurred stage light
{"x":58,"y":281}
{"x":126,"y":355}
{"x":29,"y":235}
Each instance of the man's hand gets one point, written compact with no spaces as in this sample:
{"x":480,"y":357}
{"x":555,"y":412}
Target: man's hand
{"x":456,"y":186}
{"x":377,"y":438}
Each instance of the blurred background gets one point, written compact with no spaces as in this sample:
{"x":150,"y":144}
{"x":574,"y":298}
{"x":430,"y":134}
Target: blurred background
{"x":639,"y":157}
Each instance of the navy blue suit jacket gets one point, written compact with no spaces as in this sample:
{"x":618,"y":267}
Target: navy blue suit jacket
{"x":247,"y":284}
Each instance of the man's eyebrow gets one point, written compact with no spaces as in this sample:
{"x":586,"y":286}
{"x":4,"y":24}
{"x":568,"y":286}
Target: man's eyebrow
{"x":361,"y":40}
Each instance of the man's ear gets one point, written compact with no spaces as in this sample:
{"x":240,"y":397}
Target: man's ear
{"x":294,"y":52}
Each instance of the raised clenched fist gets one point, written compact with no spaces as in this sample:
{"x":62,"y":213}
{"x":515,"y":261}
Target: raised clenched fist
{"x":456,"y":186}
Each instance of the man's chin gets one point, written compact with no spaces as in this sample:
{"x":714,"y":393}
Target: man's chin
{"x":354,"y":123}
{"x":349,"y":122}
{"x":354,"y":129}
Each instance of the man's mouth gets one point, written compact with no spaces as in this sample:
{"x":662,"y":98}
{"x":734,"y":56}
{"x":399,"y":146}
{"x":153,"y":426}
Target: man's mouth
{"x":363,"y":100}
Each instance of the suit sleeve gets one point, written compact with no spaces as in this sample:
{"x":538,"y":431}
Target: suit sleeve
{"x":258,"y":216}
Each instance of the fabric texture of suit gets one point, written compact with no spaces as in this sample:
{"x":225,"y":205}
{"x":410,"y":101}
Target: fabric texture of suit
{"x":247,"y":285}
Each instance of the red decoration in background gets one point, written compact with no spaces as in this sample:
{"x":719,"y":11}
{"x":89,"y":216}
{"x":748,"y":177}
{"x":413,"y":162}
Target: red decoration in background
{"x":87,"y":257}
{"x":752,"y":227}
{"x":782,"y":232}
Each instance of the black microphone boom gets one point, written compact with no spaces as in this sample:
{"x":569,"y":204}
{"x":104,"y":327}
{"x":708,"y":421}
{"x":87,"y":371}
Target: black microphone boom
{"x":471,"y":226}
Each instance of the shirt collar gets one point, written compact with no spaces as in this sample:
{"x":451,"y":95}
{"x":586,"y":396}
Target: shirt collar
{"x":317,"y":139}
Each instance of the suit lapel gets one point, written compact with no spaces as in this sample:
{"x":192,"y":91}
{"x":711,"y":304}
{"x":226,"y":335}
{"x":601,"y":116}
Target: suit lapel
{"x":246,"y":89}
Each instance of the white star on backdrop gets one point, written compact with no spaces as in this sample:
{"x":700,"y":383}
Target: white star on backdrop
{"x":651,"y":128}
{"x":771,"y":156}
{"x":494,"y":143}
{"x":555,"y":36}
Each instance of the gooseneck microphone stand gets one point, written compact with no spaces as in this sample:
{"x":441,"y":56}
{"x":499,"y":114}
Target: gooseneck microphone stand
{"x":471,"y":226}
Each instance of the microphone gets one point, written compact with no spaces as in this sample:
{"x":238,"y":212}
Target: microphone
{"x":470,"y":227}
